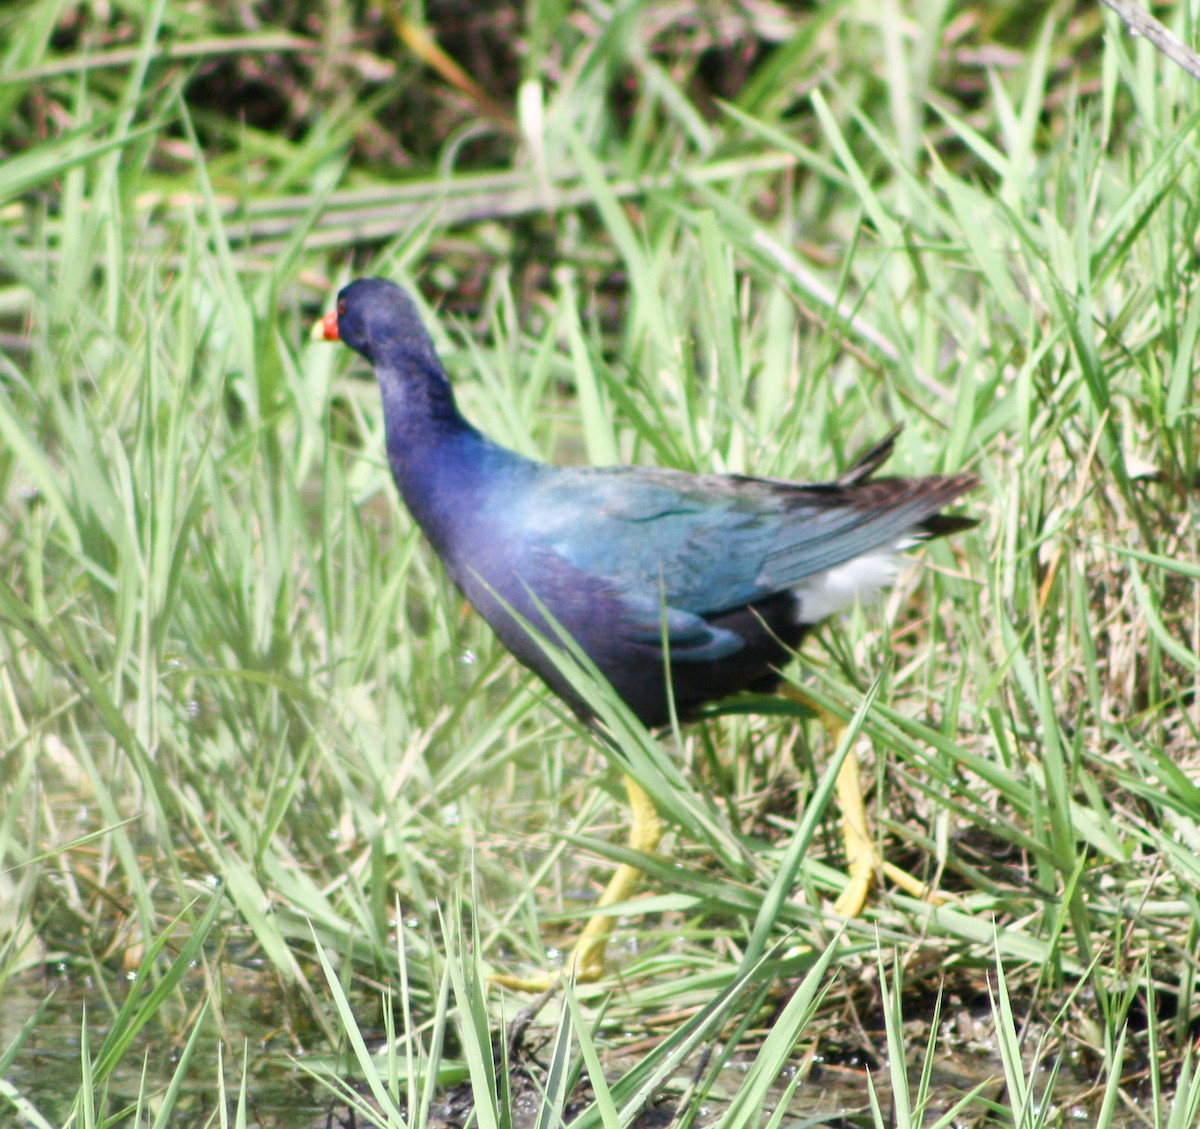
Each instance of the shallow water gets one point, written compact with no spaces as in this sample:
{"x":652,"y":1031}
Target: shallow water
{"x":254,"y":1022}
{"x":46,"y":1071}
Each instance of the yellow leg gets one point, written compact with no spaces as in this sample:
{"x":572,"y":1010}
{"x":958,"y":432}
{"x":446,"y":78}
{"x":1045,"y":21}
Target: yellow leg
{"x":863,"y":861}
{"x":586,"y":962}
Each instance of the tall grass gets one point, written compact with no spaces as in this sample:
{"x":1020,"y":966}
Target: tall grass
{"x":272,"y":798}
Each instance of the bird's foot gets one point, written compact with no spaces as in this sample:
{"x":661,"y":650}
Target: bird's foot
{"x":585,"y":965}
{"x":546,"y":982}
{"x":866,"y":867}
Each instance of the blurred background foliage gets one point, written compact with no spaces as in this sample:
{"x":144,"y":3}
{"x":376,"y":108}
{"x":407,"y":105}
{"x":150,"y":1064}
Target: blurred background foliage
{"x":261,"y":776}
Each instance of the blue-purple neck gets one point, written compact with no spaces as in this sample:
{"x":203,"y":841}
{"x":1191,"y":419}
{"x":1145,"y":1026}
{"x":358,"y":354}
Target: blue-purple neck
{"x":418,"y":402}
{"x":444,"y":467}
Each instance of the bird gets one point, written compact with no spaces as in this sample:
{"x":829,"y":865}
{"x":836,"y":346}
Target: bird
{"x":681,"y":589}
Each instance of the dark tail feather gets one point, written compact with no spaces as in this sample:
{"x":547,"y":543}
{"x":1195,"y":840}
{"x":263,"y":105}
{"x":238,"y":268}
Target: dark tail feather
{"x":942,"y":525}
{"x":870,"y":460}
{"x":947,"y":488}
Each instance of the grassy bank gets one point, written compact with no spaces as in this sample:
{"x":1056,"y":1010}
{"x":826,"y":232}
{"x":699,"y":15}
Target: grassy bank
{"x":273,"y":802}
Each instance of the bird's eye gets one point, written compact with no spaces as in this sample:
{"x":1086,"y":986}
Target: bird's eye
{"x":341,"y":308}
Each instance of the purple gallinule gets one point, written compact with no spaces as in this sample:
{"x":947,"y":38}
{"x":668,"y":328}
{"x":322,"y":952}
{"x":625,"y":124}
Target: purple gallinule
{"x":732,"y":571}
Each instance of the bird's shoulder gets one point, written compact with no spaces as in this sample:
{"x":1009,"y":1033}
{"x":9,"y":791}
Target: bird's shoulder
{"x":698,"y":540}
{"x":641,"y":495}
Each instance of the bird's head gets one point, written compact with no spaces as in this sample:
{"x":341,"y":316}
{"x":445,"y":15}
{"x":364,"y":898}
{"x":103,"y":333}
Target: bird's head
{"x":377,"y":319}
